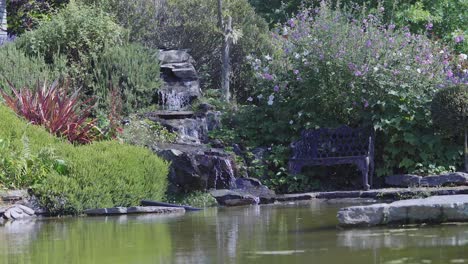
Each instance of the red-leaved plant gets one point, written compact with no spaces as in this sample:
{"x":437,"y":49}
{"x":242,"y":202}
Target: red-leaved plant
{"x":56,"y":108}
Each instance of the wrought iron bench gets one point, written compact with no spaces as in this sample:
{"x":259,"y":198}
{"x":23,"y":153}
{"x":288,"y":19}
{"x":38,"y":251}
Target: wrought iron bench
{"x":326,"y":147}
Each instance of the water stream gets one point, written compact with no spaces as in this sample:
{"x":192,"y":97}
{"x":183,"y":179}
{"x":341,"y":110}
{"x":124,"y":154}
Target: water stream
{"x":286,"y":233}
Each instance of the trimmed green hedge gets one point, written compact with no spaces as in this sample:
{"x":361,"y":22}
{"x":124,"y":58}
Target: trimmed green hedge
{"x":102,"y":174}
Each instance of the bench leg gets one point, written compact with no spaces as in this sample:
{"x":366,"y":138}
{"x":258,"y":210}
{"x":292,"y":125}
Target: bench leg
{"x":365,"y":174}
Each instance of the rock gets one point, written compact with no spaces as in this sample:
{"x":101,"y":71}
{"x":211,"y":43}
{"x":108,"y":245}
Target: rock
{"x":409,"y":180}
{"x":197,"y":167}
{"x":436,"y":209}
{"x":233,"y":198}
{"x":134,"y":210}
{"x":11,"y":196}
{"x":403,"y":180}
{"x":205,"y":107}
{"x":456,"y":178}
{"x":295,"y":197}
{"x":255,"y":188}
{"x":18,"y":211}
{"x":181,"y":85}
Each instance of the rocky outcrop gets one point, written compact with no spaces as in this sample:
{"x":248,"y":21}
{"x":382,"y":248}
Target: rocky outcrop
{"x":181,"y":85}
{"x":436,"y":209}
{"x":197,"y":167}
{"x":247,"y":191}
{"x":234,"y":198}
{"x":409,"y":180}
{"x":135,"y":210}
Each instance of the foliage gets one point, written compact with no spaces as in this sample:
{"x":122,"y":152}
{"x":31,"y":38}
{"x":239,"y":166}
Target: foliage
{"x":55,"y":108}
{"x":20,"y":168}
{"x":275,"y":11}
{"x":449,"y":109}
{"x":133,"y":70}
{"x":192,"y":25}
{"x":105,"y":174}
{"x":102,"y":174}
{"x":328,"y":70}
{"x":22,"y":70}
{"x":25,"y":15}
{"x":144,"y":132}
{"x":80,"y":33}
{"x":195,"y":199}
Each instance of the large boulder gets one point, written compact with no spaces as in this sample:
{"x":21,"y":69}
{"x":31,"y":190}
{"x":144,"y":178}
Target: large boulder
{"x":234,"y":197}
{"x":197,"y":167}
{"x":435,"y":209}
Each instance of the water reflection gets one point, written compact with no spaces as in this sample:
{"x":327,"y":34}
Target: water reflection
{"x":296,"y":233}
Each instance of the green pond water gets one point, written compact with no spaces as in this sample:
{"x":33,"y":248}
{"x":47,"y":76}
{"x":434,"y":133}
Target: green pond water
{"x":286,"y":233}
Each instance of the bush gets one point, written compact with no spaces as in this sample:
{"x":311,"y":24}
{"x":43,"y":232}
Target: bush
{"x":329,"y":70}
{"x":54,"y":107}
{"x":22,"y":70}
{"x":25,"y":15}
{"x":80,"y":33}
{"x":102,"y":174}
{"x":133,"y":70}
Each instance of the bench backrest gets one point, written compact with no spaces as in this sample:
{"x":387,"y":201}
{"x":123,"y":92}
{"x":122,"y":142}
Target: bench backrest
{"x":328,"y":143}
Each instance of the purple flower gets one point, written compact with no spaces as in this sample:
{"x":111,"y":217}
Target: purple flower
{"x":408,"y":34}
{"x":368,"y":43}
{"x":391,"y":26}
{"x":449,"y":74}
{"x":357,"y":73}
{"x":276,"y":88}
{"x":429,"y":26}
{"x":267,"y":76}
{"x":291,"y":23}
{"x":459,"y":39}
{"x":299,"y":78}
{"x":366,"y":103}
{"x":296,"y":72}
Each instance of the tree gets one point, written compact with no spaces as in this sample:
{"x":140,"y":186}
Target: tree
{"x":226,"y":29}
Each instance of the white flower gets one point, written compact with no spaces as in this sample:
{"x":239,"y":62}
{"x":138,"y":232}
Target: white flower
{"x":268,"y":57}
{"x":463,"y":56}
{"x":248,"y":57}
{"x":291,"y":122}
{"x":270,"y":99}
{"x":260,"y":96}
{"x":376,"y":69}
{"x":250,"y":99}
{"x":418,"y":70}
{"x":299,"y":114}
{"x":285,"y":31}
{"x":257,"y":61}
{"x":297,"y":56}
{"x":441,"y":52}
{"x":407,"y":68}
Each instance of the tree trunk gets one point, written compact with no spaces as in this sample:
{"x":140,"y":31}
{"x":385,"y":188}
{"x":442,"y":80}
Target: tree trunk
{"x":3,"y":20}
{"x":466,"y":149}
{"x":226,"y":70}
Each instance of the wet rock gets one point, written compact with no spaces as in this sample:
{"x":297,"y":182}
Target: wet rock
{"x":436,"y":209}
{"x":295,"y":197}
{"x":255,"y":188}
{"x":234,"y":198}
{"x":181,"y":85}
{"x":11,"y":196}
{"x":134,"y":210}
{"x":197,"y":167}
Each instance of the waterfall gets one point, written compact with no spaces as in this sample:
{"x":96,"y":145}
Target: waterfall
{"x":172,"y":100}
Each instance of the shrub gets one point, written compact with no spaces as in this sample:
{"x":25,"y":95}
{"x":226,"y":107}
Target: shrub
{"x":329,"y":70}
{"x":55,"y":108}
{"x":22,"y":70}
{"x":25,"y":15}
{"x":133,"y":70}
{"x":449,"y":111}
{"x":80,"y":33}
{"x":101,"y":174}
{"x":143,"y":132}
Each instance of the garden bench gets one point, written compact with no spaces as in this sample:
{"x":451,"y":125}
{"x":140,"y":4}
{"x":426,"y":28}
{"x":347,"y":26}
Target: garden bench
{"x":343,"y":145}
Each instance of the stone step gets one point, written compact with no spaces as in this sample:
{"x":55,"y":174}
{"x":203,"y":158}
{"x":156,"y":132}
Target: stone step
{"x":135,"y":210}
{"x":436,"y":209}
{"x":166,"y":114}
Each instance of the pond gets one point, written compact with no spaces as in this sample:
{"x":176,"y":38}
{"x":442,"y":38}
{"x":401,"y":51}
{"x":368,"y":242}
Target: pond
{"x":303,"y":232}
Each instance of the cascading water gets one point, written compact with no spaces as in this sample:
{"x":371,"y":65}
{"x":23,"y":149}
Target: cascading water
{"x":172,"y":100}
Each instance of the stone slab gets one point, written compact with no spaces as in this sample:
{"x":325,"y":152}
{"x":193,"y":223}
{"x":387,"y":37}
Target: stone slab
{"x":409,"y":180}
{"x":134,"y":210}
{"x":436,"y":209}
